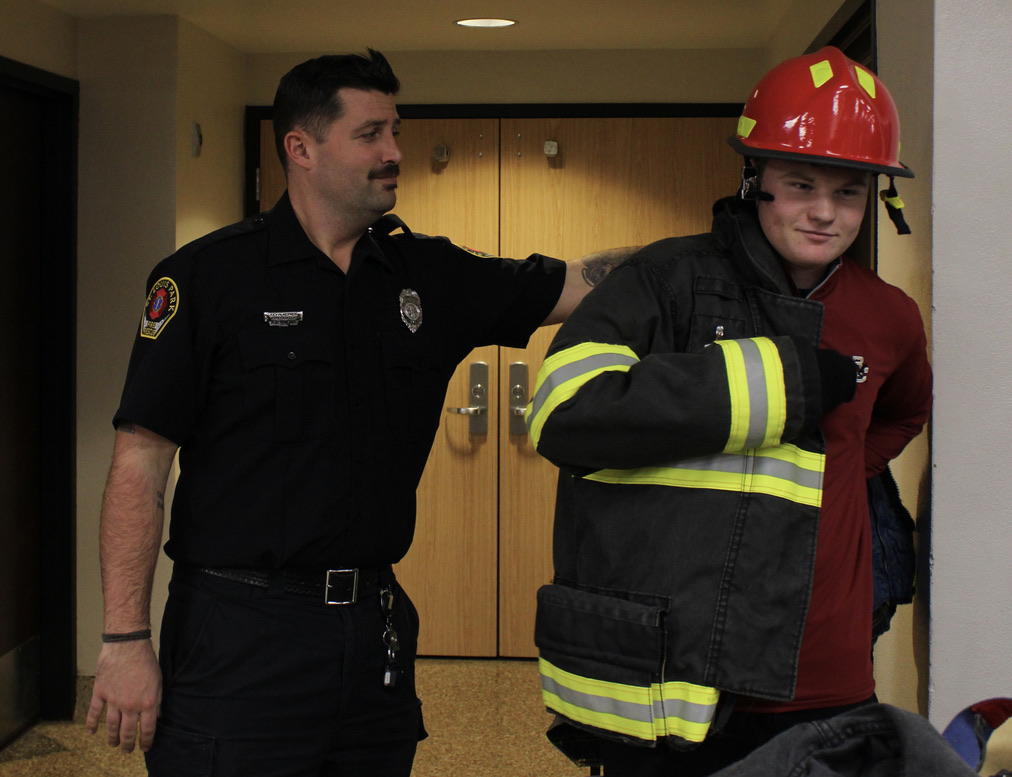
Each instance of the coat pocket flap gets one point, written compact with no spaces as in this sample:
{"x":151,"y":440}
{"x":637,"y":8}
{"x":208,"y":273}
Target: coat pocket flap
{"x":600,"y":627}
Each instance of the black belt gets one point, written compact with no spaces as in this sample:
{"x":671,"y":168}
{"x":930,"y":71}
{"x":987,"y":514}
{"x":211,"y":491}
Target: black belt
{"x":335,"y":586}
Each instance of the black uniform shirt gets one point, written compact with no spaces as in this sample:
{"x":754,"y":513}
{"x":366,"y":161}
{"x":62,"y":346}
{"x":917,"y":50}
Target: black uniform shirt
{"x":303,"y":404}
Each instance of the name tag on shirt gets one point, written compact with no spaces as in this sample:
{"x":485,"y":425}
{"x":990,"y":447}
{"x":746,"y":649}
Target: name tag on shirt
{"x":291,"y":318}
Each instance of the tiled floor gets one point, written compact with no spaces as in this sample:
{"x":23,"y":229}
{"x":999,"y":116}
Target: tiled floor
{"x":484,"y":718}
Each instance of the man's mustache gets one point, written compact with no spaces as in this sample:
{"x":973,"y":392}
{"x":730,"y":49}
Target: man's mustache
{"x":386,"y":172}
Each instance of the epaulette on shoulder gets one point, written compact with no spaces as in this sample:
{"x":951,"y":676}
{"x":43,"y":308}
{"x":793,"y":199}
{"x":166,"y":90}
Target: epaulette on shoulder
{"x":458,"y":246}
{"x":388,"y":224}
{"x":385,"y":227}
{"x":242,"y":228}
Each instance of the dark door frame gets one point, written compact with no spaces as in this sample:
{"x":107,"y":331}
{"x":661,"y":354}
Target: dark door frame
{"x":57,"y":425}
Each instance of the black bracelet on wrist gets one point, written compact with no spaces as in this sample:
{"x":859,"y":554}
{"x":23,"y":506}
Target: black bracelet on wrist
{"x":130,"y":636}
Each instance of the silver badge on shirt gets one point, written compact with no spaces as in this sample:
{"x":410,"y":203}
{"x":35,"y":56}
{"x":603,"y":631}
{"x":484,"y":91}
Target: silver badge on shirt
{"x":411,"y":309}
{"x":288,"y":318}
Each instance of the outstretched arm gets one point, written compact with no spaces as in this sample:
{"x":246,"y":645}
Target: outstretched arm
{"x":582,"y":275}
{"x":128,"y":680}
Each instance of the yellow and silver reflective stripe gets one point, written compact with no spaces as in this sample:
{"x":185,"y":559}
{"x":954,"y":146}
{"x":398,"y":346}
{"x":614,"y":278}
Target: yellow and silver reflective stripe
{"x":787,"y":472}
{"x":646,"y":712}
{"x":683,"y":710}
{"x":563,"y":373}
{"x":755,"y":377}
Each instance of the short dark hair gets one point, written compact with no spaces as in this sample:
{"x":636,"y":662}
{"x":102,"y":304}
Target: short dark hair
{"x":307,"y":94}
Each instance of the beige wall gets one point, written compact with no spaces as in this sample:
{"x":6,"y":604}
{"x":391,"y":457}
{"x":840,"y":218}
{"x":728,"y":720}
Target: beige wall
{"x":462,"y":77}
{"x":144,"y":81}
{"x":212,"y":79}
{"x":802,"y":23}
{"x":38,"y":35}
{"x":127,"y":219}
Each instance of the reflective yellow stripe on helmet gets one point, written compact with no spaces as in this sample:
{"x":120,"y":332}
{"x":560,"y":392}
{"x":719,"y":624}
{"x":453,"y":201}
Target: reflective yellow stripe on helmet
{"x":787,"y":472}
{"x":755,"y":378}
{"x":645,"y":712}
{"x":563,"y":373}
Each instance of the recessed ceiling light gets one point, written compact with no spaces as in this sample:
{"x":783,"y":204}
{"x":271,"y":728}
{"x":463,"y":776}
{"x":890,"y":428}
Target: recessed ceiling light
{"x":486,"y":22}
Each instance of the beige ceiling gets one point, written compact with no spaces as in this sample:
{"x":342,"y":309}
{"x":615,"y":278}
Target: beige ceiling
{"x":279,"y":26}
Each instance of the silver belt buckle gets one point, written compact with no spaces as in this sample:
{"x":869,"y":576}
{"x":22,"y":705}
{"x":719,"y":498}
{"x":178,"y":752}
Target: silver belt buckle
{"x":354,"y":586}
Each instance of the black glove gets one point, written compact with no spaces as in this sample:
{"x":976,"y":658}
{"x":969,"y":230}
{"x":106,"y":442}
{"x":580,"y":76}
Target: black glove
{"x":837,"y":378}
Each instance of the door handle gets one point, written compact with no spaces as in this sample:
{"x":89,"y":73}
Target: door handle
{"x":477,"y":412}
{"x":518,"y":397}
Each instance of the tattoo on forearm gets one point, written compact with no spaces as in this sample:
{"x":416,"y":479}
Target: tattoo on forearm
{"x":161,"y":501}
{"x":599,"y":264}
{"x":126,"y":427}
{"x":596,"y":267}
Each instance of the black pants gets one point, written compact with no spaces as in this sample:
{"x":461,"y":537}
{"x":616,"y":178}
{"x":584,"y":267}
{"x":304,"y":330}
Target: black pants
{"x":263,"y":683}
{"x":743,"y":733}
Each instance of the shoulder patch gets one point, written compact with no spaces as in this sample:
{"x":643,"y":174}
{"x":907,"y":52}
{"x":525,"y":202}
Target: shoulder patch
{"x":163,"y":301}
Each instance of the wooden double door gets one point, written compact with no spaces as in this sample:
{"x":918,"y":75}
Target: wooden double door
{"x":512,"y":187}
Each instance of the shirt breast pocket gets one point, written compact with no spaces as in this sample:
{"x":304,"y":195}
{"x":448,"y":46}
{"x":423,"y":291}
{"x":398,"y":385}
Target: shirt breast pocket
{"x":288,"y":386}
{"x":414,"y":385}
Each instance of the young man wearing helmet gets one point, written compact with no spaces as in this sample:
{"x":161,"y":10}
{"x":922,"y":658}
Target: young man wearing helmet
{"x":716,"y":406}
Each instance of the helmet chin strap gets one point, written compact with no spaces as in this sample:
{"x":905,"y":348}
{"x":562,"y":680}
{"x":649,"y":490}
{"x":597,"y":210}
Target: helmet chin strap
{"x":893,"y":204}
{"x":750,"y":191}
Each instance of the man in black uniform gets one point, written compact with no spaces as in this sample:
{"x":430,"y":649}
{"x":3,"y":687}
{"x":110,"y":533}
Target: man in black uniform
{"x":298,"y":361}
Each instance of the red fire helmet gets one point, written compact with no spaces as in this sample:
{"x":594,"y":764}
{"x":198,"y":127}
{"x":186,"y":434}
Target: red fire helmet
{"x":823,"y":108}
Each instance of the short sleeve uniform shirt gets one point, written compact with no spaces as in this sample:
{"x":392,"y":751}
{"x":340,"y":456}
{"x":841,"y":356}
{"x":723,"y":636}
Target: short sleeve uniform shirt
{"x":305,"y":400}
